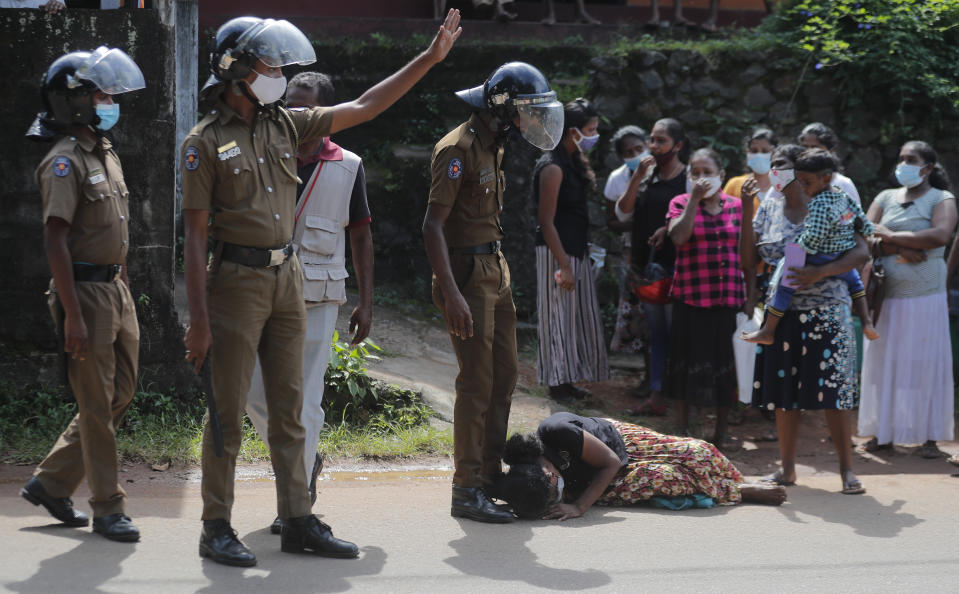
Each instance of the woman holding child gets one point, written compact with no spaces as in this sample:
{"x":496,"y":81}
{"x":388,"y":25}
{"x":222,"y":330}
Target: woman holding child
{"x":907,"y":373}
{"x":811,"y":362}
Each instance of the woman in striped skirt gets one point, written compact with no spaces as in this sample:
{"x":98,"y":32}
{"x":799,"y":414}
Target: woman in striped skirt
{"x":571,"y":345}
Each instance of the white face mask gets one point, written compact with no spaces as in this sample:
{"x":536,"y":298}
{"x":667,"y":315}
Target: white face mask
{"x":781,"y":178}
{"x":906,"y":174}
{"x":560,"y":484}
{"x":266,"y":89}
{"x":714,"y":185}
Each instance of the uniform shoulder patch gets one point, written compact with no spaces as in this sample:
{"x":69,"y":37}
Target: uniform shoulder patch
{"x":61,"y":166}
{"x":191,"y":158}
{"x":455,"y":168}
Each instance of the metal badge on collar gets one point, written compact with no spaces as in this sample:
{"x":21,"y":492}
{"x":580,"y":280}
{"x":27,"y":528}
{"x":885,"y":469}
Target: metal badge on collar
{"x":455,"y":168}
{"x":191,"y":158}
{"x":61,"y":166}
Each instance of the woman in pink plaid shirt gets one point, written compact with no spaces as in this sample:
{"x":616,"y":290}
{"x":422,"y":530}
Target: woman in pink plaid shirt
{"x":708,"y":289}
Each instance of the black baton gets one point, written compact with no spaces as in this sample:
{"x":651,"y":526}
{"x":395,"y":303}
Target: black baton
{"x":211,"y":408}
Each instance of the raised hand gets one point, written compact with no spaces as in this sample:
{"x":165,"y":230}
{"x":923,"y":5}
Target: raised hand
{"x":445,"y":38}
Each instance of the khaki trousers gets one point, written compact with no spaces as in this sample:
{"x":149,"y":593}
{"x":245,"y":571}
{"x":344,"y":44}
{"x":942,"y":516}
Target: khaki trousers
{"x":257,"y":311}
{"x":488,"y":366}
{"x":103,"y":384}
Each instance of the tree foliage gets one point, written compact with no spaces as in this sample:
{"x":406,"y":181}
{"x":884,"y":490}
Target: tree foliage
{"x":908,"y":49}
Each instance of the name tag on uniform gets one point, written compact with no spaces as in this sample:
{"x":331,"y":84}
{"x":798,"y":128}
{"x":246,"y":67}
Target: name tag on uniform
{"x":228,"y":151}
{"x":97,"y":177}
{"x":485,"y":179}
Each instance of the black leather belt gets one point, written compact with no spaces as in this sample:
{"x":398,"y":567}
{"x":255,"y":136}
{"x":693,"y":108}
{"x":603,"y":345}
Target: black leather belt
{"x":95,"y":273}
{"x":484,"y":248}
{"x":255,"y":257}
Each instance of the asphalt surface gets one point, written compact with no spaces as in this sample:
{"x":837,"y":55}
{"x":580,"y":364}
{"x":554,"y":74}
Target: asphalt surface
{"x":900,"y":536}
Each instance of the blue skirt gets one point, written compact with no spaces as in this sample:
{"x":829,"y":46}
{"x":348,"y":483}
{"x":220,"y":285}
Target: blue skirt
{"x":811,"y":365}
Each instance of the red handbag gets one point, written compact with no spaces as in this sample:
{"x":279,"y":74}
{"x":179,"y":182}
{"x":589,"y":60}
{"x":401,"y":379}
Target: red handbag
{"x":654,"y":284}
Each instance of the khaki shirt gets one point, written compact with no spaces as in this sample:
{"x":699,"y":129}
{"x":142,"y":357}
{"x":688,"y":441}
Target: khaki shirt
{"x":467,"y":177}
{"x":81,"y":182}
{"x":246,"y":177}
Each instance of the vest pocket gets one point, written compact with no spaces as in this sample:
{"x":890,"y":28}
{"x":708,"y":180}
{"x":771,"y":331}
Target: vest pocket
{"x":98,"y":204}
{"x":320,"y":235}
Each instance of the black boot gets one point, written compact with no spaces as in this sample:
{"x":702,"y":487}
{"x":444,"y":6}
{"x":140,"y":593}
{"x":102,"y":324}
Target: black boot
{"x":277,"y":526}
{"x":472,"y":503}
{"x":307,"y":534}
{"x":116,"y":527}
{"x":219,"y":542}
{"x":60,"y":508}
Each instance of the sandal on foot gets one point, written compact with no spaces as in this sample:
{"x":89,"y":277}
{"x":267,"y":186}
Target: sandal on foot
{"x":776,"y":478}
{"x":648,"y":409}
{"x":954,"y":460}
{"x":873,"y":445}
{"x":929,"y":450}
{"x":851,"y":485}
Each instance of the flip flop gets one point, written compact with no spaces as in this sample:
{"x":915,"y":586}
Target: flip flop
{"x":776,"y":478}
{"x":954,"y":460}
{"x":851,"y":486}
{"x":873,"y":445}
{"x":648,"y":409}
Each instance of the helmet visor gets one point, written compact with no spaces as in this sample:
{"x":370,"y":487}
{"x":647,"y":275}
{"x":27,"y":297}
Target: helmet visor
{"x":112,"y":71}
{"x":277,"y":43}
{"x":540,"y":119}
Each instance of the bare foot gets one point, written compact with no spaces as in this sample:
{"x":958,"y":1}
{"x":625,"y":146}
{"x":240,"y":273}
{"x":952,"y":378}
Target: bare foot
{"x":709,"y":26}
{"x":761,"y":336}
{"x":502,"y":15}
{"x":586,"y":19}
{"x":764,"y":494}
{"x":869,"y":331}
{"x":550,"y":20}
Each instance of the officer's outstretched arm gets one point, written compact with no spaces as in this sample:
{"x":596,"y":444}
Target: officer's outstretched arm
{"x":379,"y":97}
{"x":198,"y":337}
{"x":459,"y":320}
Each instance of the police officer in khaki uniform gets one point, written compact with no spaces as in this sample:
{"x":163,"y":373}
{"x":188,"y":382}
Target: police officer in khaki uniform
{"x":471,"y":283}
{"x":85,"y":216}
{"x":239,"y":184}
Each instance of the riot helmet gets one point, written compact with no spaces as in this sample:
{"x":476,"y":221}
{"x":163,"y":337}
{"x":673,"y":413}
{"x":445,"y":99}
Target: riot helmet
{"x":517,"y":89}
{"x":70,"y":82}
{"x":240,"y":42}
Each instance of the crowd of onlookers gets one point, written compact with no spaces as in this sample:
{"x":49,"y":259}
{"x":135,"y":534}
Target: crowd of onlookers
{"x":780,"y":263}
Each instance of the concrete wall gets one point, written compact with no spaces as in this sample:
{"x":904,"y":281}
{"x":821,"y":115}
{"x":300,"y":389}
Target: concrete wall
{"x":144,"y":138}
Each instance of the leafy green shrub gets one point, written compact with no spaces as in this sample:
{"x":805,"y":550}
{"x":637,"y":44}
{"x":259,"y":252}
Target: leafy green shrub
{"x":353,"y":398}
{"x":904,"y":49}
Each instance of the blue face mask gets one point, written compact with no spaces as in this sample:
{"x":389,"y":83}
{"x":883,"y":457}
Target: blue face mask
{"x":108,"y":114}
{"x":909,"y":175}
{"x":633,"y":163}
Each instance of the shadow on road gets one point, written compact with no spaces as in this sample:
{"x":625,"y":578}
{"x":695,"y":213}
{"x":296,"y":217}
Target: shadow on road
{"x":292,"y":574}
{"x":863,"y":513}
{"x":92,"y":563}
{"x":509,"y":559}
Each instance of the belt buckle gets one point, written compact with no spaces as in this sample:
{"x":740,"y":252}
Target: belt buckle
{"x":277,"y":257}
{"x":117,"y":269}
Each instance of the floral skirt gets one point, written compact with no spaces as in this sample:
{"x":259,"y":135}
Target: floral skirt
{"x":669,"y":466}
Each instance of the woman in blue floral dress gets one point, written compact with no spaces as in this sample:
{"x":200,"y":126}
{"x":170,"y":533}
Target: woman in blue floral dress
{"x":811,"y":365}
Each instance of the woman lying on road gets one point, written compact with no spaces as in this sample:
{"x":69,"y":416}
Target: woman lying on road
{"x":572,"y":462}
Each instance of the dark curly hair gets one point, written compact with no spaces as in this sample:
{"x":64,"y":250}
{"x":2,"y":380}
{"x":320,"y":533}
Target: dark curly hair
{"x":790,"y":151}
{"x":525,"y":486}
{"x":823,"y":133}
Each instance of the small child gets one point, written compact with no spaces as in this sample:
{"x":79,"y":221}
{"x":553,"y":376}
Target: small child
{"x":830,"y":228}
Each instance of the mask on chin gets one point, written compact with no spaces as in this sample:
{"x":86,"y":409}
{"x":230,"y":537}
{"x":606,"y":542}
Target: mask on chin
{"x":560,"y":485}
{"x":663,"y":159}
{"x":268,"y":90}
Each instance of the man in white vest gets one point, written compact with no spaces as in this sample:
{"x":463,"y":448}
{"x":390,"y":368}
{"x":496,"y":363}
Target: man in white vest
{"x":331,"y":204}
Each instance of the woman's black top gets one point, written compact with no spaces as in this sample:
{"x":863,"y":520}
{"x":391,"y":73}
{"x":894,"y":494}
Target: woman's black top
{"x":572,"y":213}
{"x":651,"y":215}
{"x":562,"y":437}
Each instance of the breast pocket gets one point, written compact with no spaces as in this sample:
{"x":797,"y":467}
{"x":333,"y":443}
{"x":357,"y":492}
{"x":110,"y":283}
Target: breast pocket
{"x":319,"y":236}
{"x":484,"y":201}
{"x":283,"y":156}
{"x":236,"y":179}
{"x":98,"y":208}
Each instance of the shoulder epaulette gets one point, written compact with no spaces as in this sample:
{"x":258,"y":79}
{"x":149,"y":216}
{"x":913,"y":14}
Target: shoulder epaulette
{"x":466,"y":138}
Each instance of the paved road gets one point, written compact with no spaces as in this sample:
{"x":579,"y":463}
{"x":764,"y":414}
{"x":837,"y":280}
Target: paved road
{"x":901,"y":536}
